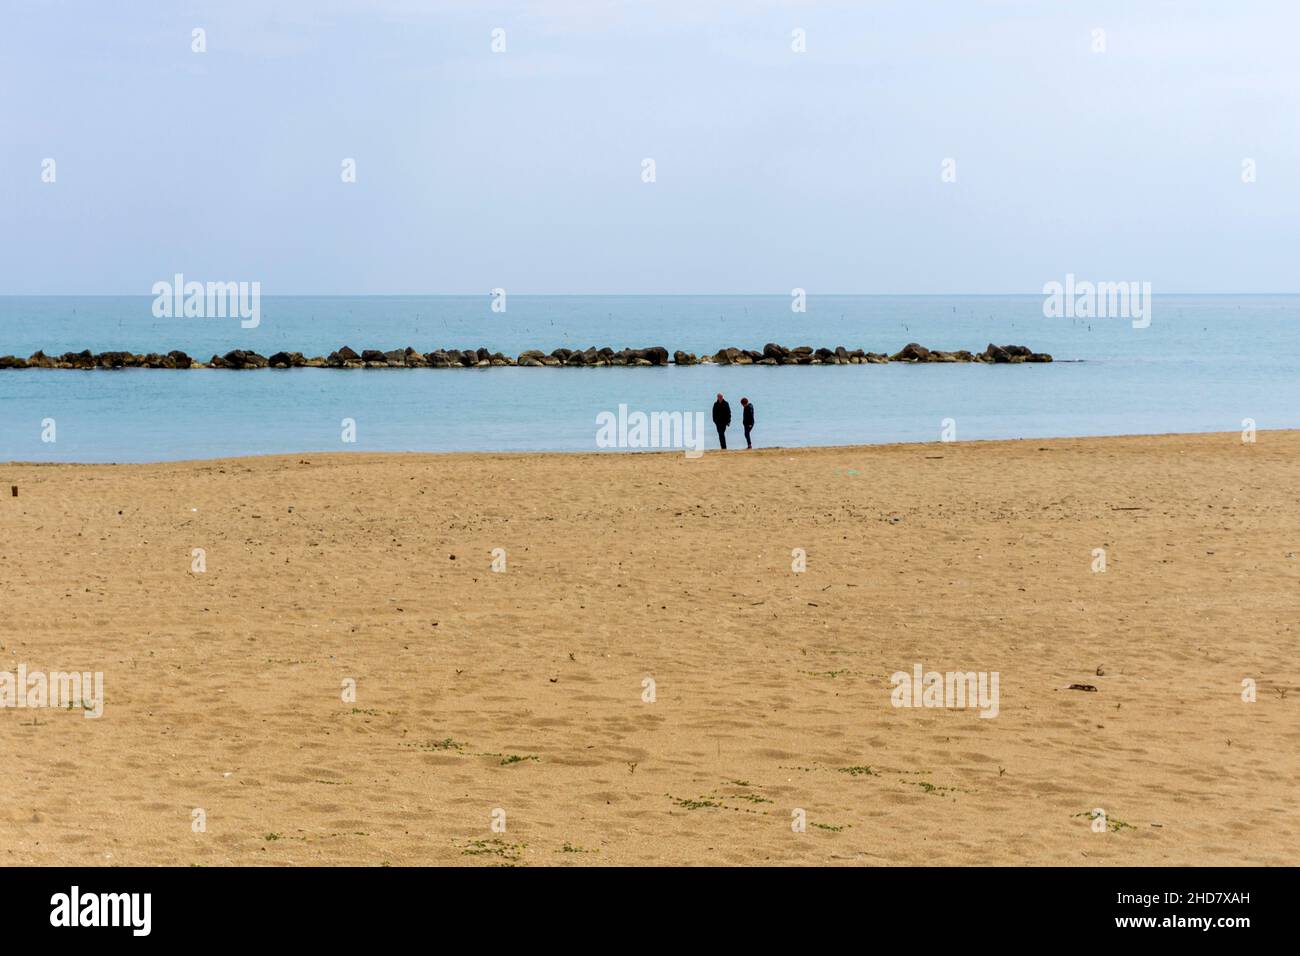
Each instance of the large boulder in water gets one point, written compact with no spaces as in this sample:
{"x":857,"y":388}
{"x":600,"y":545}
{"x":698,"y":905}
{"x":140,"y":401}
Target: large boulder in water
{"x":911,"y":352}
{"x":239,"y":358}
{"x":655,"y":355}
{"x":112,"y":359}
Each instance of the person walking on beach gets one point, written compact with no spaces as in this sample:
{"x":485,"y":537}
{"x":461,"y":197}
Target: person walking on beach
{"x":721,"y":419}
{"x":747,"y":419}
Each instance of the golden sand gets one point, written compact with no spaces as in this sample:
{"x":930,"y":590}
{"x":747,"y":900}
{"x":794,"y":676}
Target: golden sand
{"x":522,"y":691}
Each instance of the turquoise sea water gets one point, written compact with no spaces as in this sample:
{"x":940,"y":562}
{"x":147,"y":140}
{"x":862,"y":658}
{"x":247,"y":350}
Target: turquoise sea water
{"x":1204,"y":364}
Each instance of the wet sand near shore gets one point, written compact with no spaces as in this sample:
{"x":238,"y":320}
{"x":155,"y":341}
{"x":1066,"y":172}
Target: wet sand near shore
{"x":522,"y":696}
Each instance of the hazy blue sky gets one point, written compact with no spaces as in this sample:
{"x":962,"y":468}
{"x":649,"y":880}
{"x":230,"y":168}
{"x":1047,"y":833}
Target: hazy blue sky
{"x":774,"y":169}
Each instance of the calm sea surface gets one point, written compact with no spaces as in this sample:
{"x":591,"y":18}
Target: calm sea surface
{"x":1204,"y":364}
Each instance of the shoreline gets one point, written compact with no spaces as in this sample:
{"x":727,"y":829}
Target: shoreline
{"x":653,"y":452}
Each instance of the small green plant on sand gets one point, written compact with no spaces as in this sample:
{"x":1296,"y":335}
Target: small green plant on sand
{"x":493,"y":848}
{"x":859,"y":771}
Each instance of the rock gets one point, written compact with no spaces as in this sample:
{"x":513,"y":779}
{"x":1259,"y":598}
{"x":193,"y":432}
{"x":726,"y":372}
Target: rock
{"x":1013,"y":354}
{"x":82,"y":359}
{"x":111,"y":359}
{"x":239,"y":358}
{"x":772,"y":354}
{"x":655,"y":355}
{"x":911,"y":352}
{"x":286,"y":360}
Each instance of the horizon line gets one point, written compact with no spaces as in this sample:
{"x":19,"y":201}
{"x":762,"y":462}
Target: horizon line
{"x":605,"y":295}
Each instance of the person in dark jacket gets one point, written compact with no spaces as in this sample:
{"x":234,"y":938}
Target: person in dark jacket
{"x":721,"y":419}
{"x":747,"y":419}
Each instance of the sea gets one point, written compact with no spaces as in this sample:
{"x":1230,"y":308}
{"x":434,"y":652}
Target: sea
{"x":1204,"y":363}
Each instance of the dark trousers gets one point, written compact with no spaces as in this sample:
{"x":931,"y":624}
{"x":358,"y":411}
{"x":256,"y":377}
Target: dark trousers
{"x":748,"y":443}
{"x":722,"y":436}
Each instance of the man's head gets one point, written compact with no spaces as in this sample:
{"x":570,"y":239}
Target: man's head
{"x":744,"y":401}
{"x":719,"y":396}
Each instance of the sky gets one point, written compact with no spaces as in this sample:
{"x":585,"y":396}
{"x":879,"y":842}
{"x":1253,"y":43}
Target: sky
{"x":773,"y":169}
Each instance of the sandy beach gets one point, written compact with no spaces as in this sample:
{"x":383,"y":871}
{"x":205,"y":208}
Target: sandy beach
{"x":520,"y":695}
